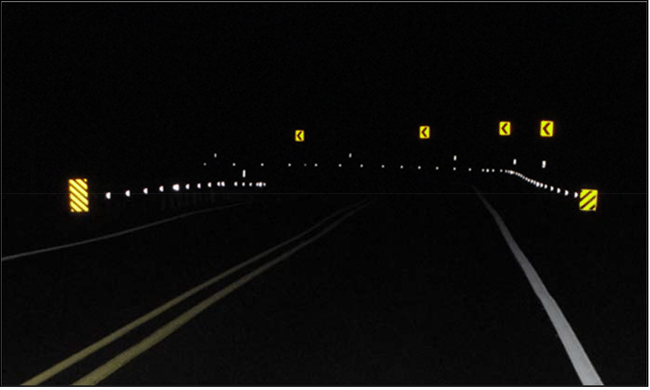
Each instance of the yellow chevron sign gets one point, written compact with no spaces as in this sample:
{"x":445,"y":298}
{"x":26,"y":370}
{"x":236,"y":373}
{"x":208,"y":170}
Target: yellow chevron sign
{"x":588,"y":200}
{"x":78,"y":195}
{"x":425,"y":132}
{"x":300,"y":135}
{"x":504,"y":128}
{"x":546,"y":129}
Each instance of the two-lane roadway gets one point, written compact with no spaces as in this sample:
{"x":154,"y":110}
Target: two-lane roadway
{"x":302,"y":290}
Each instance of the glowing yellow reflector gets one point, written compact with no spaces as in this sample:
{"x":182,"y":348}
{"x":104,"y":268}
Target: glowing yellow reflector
{"x":425,"y":132}
{"x":588,"y":200}
{"x":504,"y":128}
{"x":546,"y":129}
{"x":78,"y":195}
{"x":300,"y":135}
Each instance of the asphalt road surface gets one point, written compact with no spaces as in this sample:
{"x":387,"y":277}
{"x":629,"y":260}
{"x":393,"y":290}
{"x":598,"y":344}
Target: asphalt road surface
{"x":385,"y":290}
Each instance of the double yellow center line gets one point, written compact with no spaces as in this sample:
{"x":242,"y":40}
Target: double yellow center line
{"x":131,"y":353}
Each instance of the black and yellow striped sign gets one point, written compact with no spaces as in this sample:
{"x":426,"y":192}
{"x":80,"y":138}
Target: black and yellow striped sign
{"x":78,"y":195}
{"x":588,"y":200}
{"x":504,"y":128}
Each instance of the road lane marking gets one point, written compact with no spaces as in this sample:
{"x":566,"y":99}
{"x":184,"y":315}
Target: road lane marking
{"x":163,"y":332}
{"x":117,"y":234}
{"x":577,"y":355}
{"x":50,"y":372}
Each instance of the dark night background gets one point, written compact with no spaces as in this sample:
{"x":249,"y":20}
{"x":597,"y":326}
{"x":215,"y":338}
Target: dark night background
{"x":125,"y":92}
{"x":417,"y":288}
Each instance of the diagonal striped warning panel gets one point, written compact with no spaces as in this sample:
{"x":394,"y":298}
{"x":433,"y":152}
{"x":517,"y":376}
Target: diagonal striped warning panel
{"x":588,"y":200}
{"x":78,"y":195}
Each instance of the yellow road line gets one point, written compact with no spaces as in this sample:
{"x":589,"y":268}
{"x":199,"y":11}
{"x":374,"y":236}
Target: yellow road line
{"x":131,"y":353}
{"x":50,"y":372}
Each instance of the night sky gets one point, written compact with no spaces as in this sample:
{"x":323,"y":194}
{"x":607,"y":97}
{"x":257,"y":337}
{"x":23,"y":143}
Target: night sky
{"x":123,"y":92}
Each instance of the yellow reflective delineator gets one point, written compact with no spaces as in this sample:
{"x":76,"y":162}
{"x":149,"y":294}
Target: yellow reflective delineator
{"x":504,"y":128}
{"x":588,"y":200}
{"x":78,"y":195}
{"x":425,"y":132}
{"x":300,"y":135}
{"x":546,"y":129}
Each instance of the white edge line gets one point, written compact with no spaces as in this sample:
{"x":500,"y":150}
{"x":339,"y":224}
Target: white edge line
{"x":120,"y":233}
{"x":577,"y":355}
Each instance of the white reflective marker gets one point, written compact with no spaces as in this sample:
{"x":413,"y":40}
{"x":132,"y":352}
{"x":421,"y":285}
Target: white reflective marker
{"x":350,"y":156}
{"x":455,"y":157}
{"x":128,"y":193}
{"x":551,"y":188}
{"x":514,"y":161}
{"x":305,"y":164}
{"x":469,"y":169}
{"x":250,"y":184}
{"x":361,"y":166}
{"x":316,"y":164}
{"x":261,"y":164}
{"x":209,"y":184}
{"x":419,"y":167}
{"x":339,"y":165}
{"x":382,"y":166}
{"x":187,"y":186}
{"x":108,"y":195}
{"x":205,"y":164}
{"x":454,"y":168}
{"x":543,"y":164}
{"x":289,"y":164}
{"x":198,"y":186}
{"x":146,"y":191}
{"x":243,"y":173}
{"x":401,"y":167}
{"x":175,"y":187}
{"x":566,"y":192}
{"x":559,"y":190}
{"x":575,"y":195}
{"x":436,"y":168}
{"x":243,"y":184}
{"x":161,"y":188}
{"x":233,"y":164}
{"x":215,"y":155}
{"x":235,"y":184}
